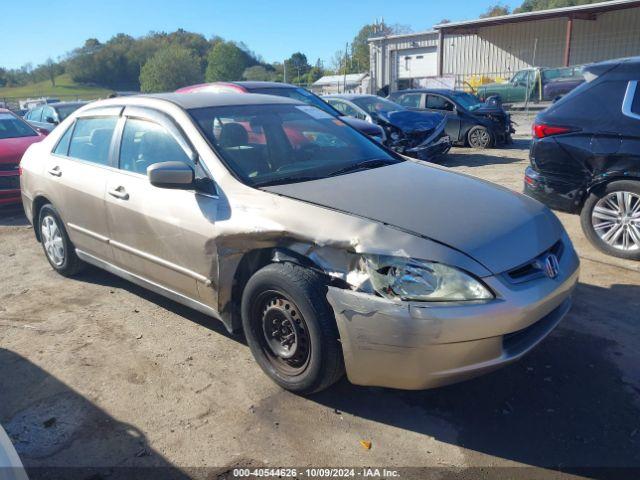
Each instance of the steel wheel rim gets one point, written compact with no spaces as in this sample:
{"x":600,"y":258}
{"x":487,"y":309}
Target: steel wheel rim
{"x":616,"y":220}
{"x":52,"y":240}
{"x":479,"y":137}
{"x":282,"y":333}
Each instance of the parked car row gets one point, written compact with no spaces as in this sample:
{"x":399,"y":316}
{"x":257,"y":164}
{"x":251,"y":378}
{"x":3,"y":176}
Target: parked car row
{"x":470,"y":122}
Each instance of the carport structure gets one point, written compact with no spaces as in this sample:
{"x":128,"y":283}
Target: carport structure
{"x":498,"y":46}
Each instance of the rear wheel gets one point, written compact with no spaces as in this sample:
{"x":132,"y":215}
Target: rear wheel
{"x":57,"y":247}
{"x":611,"y":219}
{"x":290,"y":328}
{"x":479,"y":137}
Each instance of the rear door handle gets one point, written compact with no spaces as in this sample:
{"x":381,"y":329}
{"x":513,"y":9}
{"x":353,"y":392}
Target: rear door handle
{"x":119,"y":192}
{"x":55,"y":171}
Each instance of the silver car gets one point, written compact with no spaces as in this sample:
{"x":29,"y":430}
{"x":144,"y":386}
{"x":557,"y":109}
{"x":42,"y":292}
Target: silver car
{"x":331,"y":252}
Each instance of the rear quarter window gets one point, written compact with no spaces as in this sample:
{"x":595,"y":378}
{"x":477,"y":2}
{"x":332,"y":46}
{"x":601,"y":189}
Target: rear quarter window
{"x":62,"y":148}
{"x":596,"y":107}
{"x":635,"y":105}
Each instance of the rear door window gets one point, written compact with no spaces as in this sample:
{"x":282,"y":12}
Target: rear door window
{"x":91,"y":139}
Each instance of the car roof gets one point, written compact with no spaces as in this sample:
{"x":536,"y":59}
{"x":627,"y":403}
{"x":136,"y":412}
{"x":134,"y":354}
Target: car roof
{"x":63,"y":104}
{"x":440,"y":91}
{"x":349,"y":96}
{"x":622,"y":66}
{"x":257,"y":84}
{"x":207,"y":99}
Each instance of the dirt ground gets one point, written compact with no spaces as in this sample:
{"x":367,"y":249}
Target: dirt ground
{"x":95,"y":371}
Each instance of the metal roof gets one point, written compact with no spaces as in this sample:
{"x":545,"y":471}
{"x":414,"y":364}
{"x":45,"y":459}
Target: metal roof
{"x":340,"y":79}
{"x":403,"y":35}
{"x":578,"y":11}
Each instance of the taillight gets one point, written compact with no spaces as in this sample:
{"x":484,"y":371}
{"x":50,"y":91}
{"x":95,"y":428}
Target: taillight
{"x":541,"y":131}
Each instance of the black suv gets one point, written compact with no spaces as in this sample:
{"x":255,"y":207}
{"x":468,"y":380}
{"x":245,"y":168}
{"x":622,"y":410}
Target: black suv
{"x":585,"y":156}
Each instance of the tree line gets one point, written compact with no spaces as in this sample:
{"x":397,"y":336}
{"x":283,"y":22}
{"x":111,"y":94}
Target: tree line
{"x":165,"y":61}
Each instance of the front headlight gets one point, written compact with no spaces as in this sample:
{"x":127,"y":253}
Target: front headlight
{"x":409,"y":279}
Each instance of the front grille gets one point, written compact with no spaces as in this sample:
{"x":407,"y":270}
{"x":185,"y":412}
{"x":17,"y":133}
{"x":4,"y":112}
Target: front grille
{"x":416,"y":138}
{"x":10,"y":183}
{"x":8,"y":167}
{"x":534,"y":269}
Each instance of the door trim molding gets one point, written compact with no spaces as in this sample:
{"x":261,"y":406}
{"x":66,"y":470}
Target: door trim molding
{"x":161,"y":262}
{"x":148,"y":284}
{"x":88,"y":233}
{"x":147,"y":256}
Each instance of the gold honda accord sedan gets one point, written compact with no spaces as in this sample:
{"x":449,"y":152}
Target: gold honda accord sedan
{"x":329,"y":251}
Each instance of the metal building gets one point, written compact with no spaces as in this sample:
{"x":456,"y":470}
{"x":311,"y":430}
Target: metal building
{"x":498,"y":46}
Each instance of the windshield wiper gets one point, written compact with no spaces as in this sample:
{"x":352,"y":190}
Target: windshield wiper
{"x":283,"y":180}
{"x":363,"y":165}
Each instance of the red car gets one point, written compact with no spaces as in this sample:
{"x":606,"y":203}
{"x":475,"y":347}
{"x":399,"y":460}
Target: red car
{"x":15,"y":137}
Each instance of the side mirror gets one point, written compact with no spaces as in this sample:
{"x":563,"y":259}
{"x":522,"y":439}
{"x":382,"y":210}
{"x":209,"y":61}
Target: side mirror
{"x":170,"y":175}
{"x":51,"y":120}
{"x":368,"y":118}
{"x":42,"y":131}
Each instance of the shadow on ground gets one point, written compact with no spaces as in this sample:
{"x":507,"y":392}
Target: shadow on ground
{"x":566,"y":405}
{"x":58,"y":433}
{"x":12,"y":215}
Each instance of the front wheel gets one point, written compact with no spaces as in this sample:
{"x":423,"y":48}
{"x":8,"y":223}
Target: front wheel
{"x":610,"y":219}
{"x":291,"y":329}
{"x":479,"y":137}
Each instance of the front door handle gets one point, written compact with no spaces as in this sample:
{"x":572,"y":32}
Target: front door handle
{"x":119,"y":192}
{"x":55,"y":171}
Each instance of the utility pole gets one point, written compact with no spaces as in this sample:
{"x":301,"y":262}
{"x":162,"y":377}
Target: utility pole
{"x":284,"y":66}
{"x":346,"y":53}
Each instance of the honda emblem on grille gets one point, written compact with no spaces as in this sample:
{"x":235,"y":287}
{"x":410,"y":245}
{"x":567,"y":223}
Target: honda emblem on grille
{"x":551,"y":266}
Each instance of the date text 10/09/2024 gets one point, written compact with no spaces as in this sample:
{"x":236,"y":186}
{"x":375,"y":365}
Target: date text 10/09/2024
{"x":316,"y":472}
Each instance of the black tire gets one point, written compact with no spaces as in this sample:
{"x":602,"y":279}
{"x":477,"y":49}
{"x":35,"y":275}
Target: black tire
{"x":587,"y":220}
{"x":292,"y":295}
{"x":479,"y":137}
{"x":70,"y":263}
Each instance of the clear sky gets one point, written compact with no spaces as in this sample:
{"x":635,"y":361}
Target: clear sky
{"x":33,"y":30}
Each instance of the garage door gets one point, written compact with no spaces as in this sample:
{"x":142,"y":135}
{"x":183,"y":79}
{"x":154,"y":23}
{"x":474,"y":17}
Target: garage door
{"x":417,"y":62}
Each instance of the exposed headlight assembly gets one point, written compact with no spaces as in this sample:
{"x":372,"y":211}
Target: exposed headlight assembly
{"x":416,"y":280}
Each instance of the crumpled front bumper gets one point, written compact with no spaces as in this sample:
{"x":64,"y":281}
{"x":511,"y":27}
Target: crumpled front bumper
{"x":416,"y":346}
{"x":432,"y":150}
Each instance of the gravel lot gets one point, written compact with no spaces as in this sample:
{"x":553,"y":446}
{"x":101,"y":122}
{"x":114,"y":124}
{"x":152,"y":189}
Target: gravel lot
{"x":95,"y":371}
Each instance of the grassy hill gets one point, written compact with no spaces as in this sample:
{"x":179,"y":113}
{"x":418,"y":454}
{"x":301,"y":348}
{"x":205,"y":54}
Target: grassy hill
{"x":65,"y":89}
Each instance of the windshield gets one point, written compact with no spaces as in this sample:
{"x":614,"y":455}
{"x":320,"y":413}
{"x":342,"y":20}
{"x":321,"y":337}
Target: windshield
{"x":12,"y":127}
{"x":377,"y":104}
{"x":468,"y":101}
{"x":65,"y":110}
{"x":300,"y":94}
{"x":275,"y":144}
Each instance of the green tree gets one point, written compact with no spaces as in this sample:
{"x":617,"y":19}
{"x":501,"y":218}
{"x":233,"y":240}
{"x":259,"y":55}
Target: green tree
{"x":170,"y":68}
{"x":226,"y":62}
{"x":297,"y":66}
{"x":496,"y":10}
{"x":533,"y":5}
{"x":258,"y":73}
